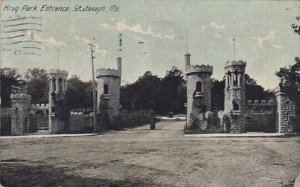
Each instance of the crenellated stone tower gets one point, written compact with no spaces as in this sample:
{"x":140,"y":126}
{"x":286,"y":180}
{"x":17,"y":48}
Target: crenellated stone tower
{"x":20,"y":114}
{"x":57,"y":110}
{"x":198,"y":80}
{"x":108,"y":90}
{"x":234,"y":101}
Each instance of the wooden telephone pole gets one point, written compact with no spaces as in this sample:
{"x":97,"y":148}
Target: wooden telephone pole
{"x":94,"y":91}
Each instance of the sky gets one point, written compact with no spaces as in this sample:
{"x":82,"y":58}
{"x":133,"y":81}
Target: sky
{"x":154,"y":36}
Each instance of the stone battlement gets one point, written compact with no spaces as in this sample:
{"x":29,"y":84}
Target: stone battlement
{"x":261,"y":103}
{"x":39,"y":106}
{"x":235,"y":63}
{"x":20,"y":96}
{"x":56,"y":73}
{"x":196,"y":69}
{"x":107,"y":72}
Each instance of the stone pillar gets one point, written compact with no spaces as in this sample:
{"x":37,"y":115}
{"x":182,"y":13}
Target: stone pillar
{"x":232,"y":79}
{"x":56,"y":85}
{"x":226,"y":81}
{"x":242,"y":80}
{"x":286,"y":109}
{"x":20,"y":117}
{"x":239,"y":79}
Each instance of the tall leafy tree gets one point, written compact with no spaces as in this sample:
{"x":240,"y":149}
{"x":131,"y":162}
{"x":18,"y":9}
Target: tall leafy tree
{"x":174,"y":90}
{"x":9,"y":78}
{"x":159,"y":94}
{"x":79,"y":93}
{"x":255,"y":91}
{"x":148,"y":92}
{"x":290,"y":80}
{"x":38,"y":86}
{"x":75,"y":93}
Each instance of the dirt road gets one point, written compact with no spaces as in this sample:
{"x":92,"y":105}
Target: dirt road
{"x":142,"y":157}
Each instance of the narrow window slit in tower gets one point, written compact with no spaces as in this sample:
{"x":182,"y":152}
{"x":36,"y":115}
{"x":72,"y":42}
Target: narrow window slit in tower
{"x":105,"y":89}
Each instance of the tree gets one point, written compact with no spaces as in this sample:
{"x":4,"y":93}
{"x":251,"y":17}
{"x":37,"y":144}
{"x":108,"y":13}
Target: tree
{"x":255,"y":91}
{"x":38,"y":86}
{"x":159,"y":94}
{"x":35,"y":73}
{"x":79,"y":93}
{"x":88,"y":92}
{"x":290,"y":80}
{"x":9,"y":78}
{"x":174,"y":91}
{"x":296,"y":27}
{"x":147,"y":96}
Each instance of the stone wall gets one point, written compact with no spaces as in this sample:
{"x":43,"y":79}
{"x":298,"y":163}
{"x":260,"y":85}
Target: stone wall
{"x":135,"y":118}
{"x":126,"y":119}
{"x":76,"y":122}
{"x":38,"y":122}
{"x":261,"y":116}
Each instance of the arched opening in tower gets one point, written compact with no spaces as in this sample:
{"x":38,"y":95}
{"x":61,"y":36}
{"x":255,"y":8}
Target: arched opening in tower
{"x":229,"y":79}
{"x":60,"y":84}
{"x":199,"y":86}
{"x":235,"y":81}
{"x":54,"y":85}
{"x":235,"y":105}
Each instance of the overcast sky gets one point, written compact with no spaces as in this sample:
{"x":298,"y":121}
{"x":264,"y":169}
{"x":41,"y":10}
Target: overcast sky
{"x":154,"y":36}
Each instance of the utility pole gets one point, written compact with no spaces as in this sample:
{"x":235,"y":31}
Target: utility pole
{"x":233,"y":48}
{"x":187,"y":41}
{"x":94,"y":93}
